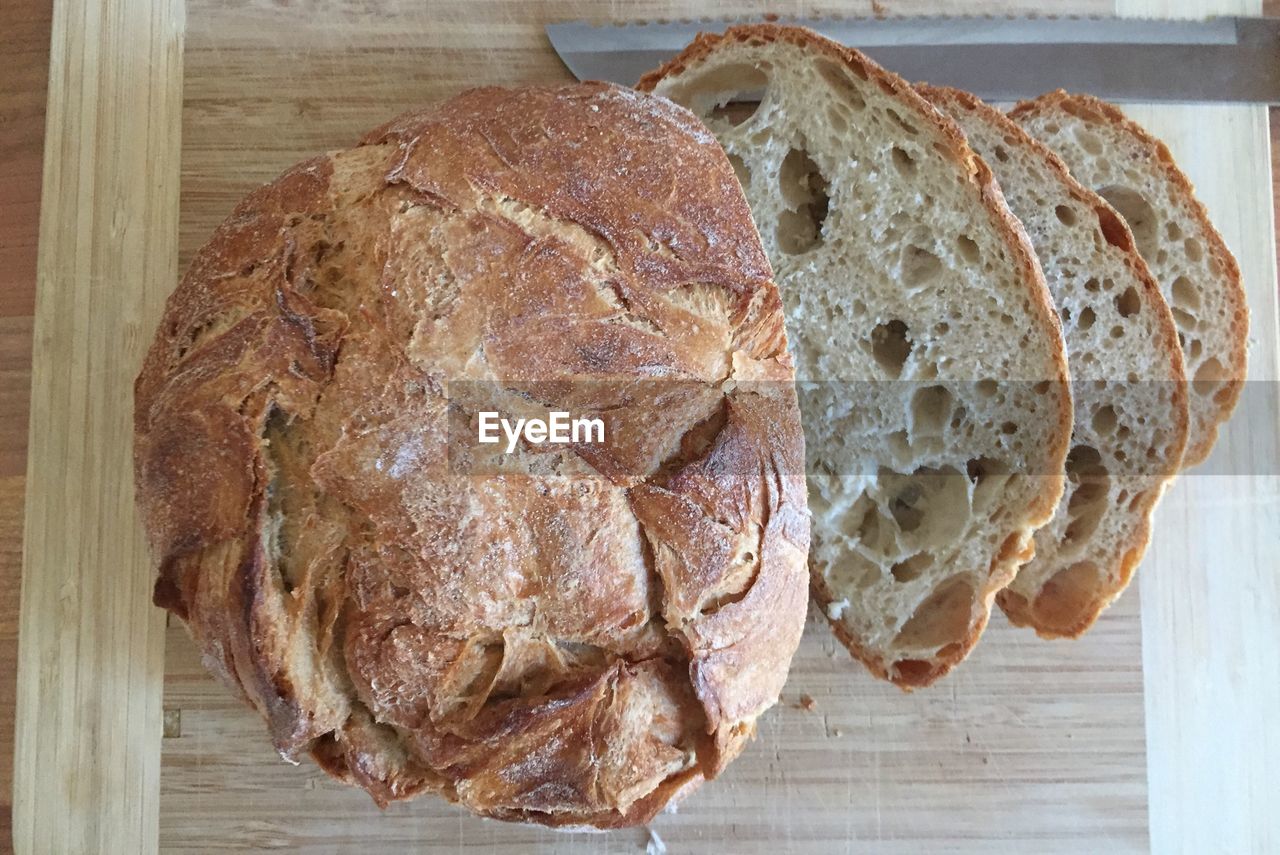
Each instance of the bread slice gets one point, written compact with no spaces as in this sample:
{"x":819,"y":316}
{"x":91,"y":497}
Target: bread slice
{"x":1130,"y":393}
{"x":1197,"y":273}
{"x":931,"y":365}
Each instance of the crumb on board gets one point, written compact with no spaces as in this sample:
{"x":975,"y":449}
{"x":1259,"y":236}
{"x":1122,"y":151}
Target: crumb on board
{"x":806,"y":703}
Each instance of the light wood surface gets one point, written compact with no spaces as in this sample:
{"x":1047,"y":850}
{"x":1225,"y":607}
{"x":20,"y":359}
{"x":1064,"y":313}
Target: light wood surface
{"x":24,"y":43}
{"x":1029,"y":747}
{"x":90,"y":646}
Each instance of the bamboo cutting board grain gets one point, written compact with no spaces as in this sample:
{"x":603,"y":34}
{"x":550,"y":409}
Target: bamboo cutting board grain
{"x":1107,"y":743}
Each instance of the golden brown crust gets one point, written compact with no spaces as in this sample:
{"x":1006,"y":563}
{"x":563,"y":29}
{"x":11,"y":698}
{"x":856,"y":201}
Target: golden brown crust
{"x":1053,"y":614}
{"x":1094,"y":109}
{"x":571,"y":643}
{"x":987,"y":194}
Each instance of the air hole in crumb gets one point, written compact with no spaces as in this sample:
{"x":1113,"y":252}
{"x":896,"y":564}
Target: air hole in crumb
{"x":1104,"y":420}
{"x":1065,"y":215}
{"x":969,"y":249}
{"x":930,"y":409}
{"x":903,"y":161}
{"x":735,"y":112}
{"x":1173,"y":231}
{"x":891,"y":346}
{"x":1138,"y":214}
{"x":911,"y":568}
{"x":838,"y":77}
{"x":1089,"y":482}
{"x":986,"y":388}
{"x":804,"y":189}
{"x":980,"y":468}
{"x":838,"y":119}
{"x":904,"y":511}
{"x":740,"y":169}
{"x":1086,"y":319}
{"x":1183,"y":319}
{"x":929,"y":506}
{"x":1209,"y":375}
{"x":1128,"y":303}
{"x":1089,"y":141}
{"x":919,"y":266}
{"x":944,"y":616}
{"x":707,"y":93}
{"x":1001,"y":154}
{"x":899,"y":444}
{"x":866,"y":529}
{"x":1192,"y":248}
{"x":901,"y":122}
{"x":1184,"y":294}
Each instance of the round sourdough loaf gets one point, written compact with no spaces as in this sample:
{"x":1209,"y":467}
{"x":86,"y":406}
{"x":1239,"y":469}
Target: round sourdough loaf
{"x":576,"y":639}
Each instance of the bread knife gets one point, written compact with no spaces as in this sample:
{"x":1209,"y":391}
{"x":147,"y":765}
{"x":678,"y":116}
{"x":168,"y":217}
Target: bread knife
{"x":1221,"y":59}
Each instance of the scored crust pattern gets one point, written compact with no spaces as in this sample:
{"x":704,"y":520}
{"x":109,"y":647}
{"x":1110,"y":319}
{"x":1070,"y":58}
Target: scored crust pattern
{"x":573,"y":643}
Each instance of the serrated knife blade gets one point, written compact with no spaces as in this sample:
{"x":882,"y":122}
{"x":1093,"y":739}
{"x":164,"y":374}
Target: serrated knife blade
{"x":999,"y":59}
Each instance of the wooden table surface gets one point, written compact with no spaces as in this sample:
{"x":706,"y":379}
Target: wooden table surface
{"x":24,"y":46}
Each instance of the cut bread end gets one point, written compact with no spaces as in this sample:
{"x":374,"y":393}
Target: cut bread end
{"x":1199,"y":277}
{"x":930,"y":360}
{"x":1131,"y":416}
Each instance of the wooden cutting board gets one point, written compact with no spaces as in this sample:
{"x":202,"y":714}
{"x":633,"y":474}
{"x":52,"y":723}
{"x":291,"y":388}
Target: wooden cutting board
{"x":1150,"y":732}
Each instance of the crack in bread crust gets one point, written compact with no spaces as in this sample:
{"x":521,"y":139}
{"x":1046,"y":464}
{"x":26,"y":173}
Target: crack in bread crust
{"x":576,"y":644}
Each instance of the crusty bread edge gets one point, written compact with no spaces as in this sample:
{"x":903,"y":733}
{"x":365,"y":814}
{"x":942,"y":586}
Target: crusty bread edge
{"x":1019,"y":612}
{"x":1016,"y":607}
{"x":982,"y":181}
{"x":1089,"y":108}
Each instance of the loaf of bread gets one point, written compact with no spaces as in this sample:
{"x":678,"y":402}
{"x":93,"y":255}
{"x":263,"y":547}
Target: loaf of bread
{"x":1126,"y":370}
{"x":1197,"y":273}
{"x":576,"y":642}
{"x":933,"y":376}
